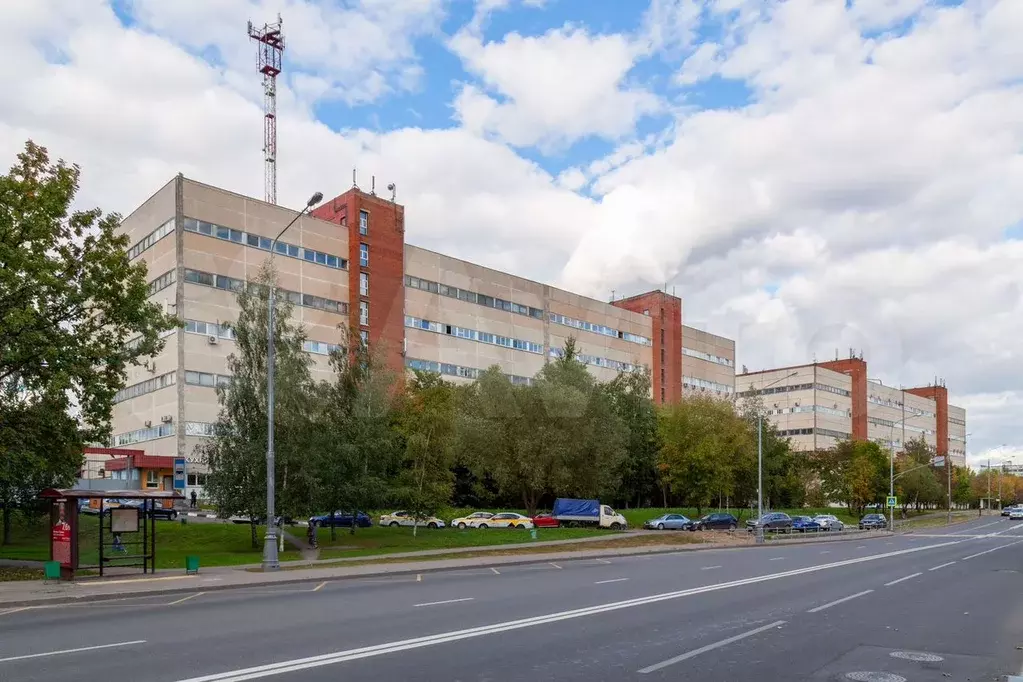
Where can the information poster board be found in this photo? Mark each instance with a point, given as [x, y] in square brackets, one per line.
[61, 536]
[179, 473]
[124, 520]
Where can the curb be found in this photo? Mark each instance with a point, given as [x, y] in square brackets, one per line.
[524, 561]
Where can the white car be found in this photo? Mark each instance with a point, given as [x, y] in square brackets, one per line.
[1016, 514]
[467, 521]
[829, 522]
[503, 520]
[404, 518]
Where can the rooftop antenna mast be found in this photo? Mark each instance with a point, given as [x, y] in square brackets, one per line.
[270, 46]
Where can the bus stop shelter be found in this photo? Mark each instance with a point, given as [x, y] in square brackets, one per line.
[123, 538]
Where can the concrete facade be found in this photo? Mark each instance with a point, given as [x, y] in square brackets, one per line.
[820, 404]
[349, 274]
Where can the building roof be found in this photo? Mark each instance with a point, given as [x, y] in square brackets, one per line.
[73, 493]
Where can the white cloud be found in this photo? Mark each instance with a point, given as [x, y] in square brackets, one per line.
[534, 103]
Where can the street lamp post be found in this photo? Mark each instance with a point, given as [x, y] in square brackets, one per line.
[760, 459]
[270, 556]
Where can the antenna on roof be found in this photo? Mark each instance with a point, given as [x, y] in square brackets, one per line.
[373, 185]
[612, 295]
[394, 191]
[355, 182]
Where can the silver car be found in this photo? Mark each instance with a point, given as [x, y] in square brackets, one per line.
[829, 522]
[669, 522]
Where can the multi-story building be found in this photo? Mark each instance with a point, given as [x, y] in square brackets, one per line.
[347, 266]
[820, 404]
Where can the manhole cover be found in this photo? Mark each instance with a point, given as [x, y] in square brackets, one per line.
[916, 656]
[874, 677]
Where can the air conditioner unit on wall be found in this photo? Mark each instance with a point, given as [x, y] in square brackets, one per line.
[212, 340]
[148, 423]
[167, 419]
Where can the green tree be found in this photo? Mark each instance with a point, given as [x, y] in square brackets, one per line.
[962, 486]
[236, 454]
[358, 445]
[917, 482]
[427, 423]
[629, 395]
[70, 299]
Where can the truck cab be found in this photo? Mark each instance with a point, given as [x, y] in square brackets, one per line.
[609, 518]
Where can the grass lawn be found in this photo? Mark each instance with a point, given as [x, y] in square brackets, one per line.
[377, 540]
[216, 544]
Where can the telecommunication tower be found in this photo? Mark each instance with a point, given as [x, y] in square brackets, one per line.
[270, 41]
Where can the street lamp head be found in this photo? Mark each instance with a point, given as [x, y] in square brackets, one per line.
[314, 199]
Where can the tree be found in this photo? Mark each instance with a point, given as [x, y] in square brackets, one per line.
[236, 454]
[427, 423]
[962, 486]
[41, 446]
[70, 299]
[917, 482]
[358, 445]
[629, 396]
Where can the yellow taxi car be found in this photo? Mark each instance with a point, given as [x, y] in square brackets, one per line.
[466, 521]
[404, 518]
[503, 520]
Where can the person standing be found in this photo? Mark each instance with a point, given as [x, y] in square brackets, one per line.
[194, 501]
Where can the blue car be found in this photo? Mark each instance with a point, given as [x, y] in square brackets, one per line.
[804, 524]
[341, 519]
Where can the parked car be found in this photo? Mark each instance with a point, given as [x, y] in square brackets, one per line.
[545, 521]
[778, 522]
[404, 518]
[829, 522]
[1016, 514]
[466, 521]
[1007, 511]
[669, 522]
[717, 521]
[341, 519]
[873, 521]
[804, 524]
[504, 520]
[261, 521]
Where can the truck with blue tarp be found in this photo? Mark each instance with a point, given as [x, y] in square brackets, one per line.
[580, 513]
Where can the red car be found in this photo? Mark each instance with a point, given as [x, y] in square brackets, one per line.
[545, 521]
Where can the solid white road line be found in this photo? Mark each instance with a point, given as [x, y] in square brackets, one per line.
[602, 561]
[709, 647]
[320, 586]
[838, 601]
[908, 577]
[184, 599]
[555, 565]
[709, 568]
[613, 580]
[298, 664]
[72, 651]
[496, 572]
[941, 566]
[988, 551]
[21, 608]
[446, 601]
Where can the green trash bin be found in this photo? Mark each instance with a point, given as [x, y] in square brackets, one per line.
[532, 533]
[51, 570]
[191, 565]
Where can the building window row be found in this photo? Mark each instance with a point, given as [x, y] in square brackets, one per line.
[794, 387]
[473, 335]
[598, 329]
[472, 297]
[960, 422]
[878, 421]
[703, 384]
[717, 359]
[161, 282]
[811, 408]
[457, 370]
[892, 402]
[200, 429]
[207, 379]
[295, 298]
[141, 435]
[144, 387]
[197, 479]
[833, 389]
[598, 361]
[156, 235]
[229, 234]
[840, 435]
[319, 347]
[132, 344]
[222, 331]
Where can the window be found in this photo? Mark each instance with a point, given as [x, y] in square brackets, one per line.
[363, 255]
[151, 238]
[144, 387]
[262, 243]
[232, 284]
[363, 222]
[456, 370]
[161, 282]
[152, 478]
[363, 313]
[364, 336]
[363, 284]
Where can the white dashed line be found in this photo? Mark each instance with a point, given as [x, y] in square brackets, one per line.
[709, 568]
[613, 580]
[988, 551]
[496, 572]
[839, 601]
[72, 651]
[908, 577]
[709, 647]
[941, 566]
[446, 601]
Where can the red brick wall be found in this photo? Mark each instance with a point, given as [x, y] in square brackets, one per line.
[939, 394]
[386, 269]
[666, 334]
[857, 369]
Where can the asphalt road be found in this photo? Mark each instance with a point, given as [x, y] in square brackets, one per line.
[937, 605]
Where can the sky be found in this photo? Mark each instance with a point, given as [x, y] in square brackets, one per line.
[809, 176]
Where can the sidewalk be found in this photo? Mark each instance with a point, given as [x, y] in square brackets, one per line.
[32, 593]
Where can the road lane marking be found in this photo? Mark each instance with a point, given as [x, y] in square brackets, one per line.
[295, 665]
[555, 566]
[988, 551]
[862, 547]
[496, 572]
[709, 568]
[603, 561]
[838, 601]
[446, 601]
[826, 551]
[10, 611]
[320, 586]
[419, 577]
[613, 580]
[72, 651]
[140, 580]
[941, 566]
[908, 577]
[709, 647]
[776, 558]
[184, 599]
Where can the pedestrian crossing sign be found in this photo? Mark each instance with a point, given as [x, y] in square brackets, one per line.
[892, 502]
